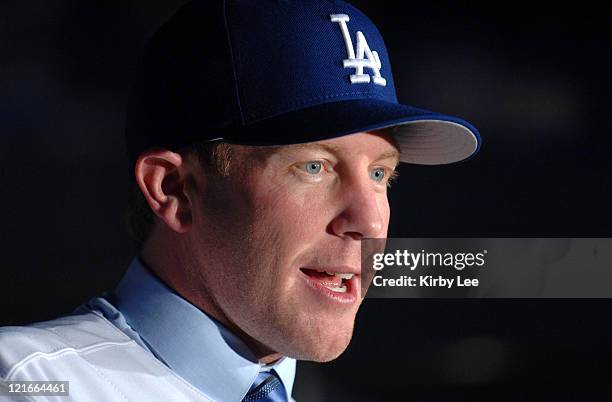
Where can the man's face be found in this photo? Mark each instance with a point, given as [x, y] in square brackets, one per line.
[263, 238]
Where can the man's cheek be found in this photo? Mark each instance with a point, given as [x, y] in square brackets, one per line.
[386, 213]
[295, 204]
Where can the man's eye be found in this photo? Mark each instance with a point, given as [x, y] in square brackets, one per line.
[313, 167]
[377, 174]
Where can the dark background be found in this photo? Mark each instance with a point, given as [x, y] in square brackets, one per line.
[534, 79]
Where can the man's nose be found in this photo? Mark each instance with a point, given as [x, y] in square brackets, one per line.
[364, 214]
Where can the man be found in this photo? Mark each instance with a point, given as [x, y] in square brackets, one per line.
[262, 136]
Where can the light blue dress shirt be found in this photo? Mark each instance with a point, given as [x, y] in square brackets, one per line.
[188, 341]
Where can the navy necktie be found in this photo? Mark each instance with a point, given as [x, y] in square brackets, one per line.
[266, 388]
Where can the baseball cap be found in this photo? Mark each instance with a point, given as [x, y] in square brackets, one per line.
[278, 72]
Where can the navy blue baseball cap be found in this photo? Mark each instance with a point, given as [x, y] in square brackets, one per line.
[278, 72]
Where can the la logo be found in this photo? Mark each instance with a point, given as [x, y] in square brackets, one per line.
[356, 58]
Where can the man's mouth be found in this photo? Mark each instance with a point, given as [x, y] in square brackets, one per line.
[334, 281]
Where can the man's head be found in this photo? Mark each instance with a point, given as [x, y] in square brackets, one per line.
[303, 92]
[251, 246]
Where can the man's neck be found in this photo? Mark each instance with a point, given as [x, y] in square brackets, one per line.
[173, 273]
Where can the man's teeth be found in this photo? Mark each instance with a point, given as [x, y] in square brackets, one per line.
[341, 289]
[340, 275]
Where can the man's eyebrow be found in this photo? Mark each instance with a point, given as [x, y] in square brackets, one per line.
[308, 146]
[315, 146]
[389, 154]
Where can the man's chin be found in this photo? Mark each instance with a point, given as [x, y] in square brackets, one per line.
[327, 357]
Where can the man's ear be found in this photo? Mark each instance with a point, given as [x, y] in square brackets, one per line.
[161, 176]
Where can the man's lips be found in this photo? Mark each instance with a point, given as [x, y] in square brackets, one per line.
[341, 269]
[340, 283]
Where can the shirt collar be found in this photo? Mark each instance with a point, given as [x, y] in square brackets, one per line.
[188, 341]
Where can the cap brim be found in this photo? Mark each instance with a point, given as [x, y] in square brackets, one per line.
[424, 137]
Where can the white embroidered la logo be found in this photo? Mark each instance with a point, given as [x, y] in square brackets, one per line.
[355, 58]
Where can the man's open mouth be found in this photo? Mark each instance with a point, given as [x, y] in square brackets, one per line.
[334, 281]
